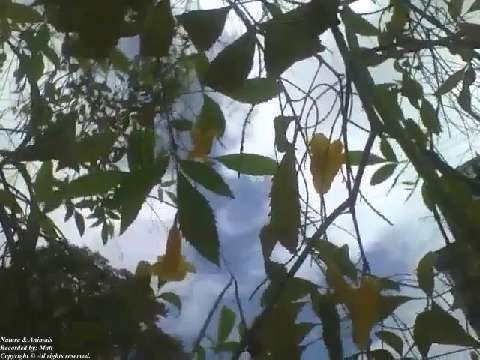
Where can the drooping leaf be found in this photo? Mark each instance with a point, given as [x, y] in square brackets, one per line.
[204, 27]
[387, 150]
[229, 70]
[95, 183]
[140, 149]
[392, 340]
[80, 223]
[326, 161]
[255, 91]
[425, 273]
[249, 164]
[157, 34]
[281, 124]
[355, 157]
[324, 307]
[451, 82]
[205, 175]
[382, 174]
[436, 326]
[225, 324]
[197, 221]
[172, 298]
[357, 23]
[285, 203]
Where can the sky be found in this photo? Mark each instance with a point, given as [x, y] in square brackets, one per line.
[390, 249]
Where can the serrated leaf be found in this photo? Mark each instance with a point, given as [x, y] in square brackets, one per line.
[357, 23]
[392, 340]
[99, 182]
[436, 326]
[197, 221]
[355, 157]
[450, 83]
[285, 204]
[281, 124]
[387, 150]
[205, 175]
[229, 70]
[255, 91]
[249, 164]
[20, 13]
[204, 26]
[80, 223]
[382, 174]
[225, 324]
[172, 298]
[157, 34]
[425, 273]
[324, 307]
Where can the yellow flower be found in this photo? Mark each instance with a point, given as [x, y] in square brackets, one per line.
[172, 266]
[326, 160]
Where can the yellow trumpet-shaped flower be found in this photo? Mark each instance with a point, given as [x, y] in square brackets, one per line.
[172, 266]
[326, 160]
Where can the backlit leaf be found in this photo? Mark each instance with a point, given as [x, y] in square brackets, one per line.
[255, 91]
[425, 273]
[157, 34]
[355, 157]
[382, 174]
[197, 221]
[436, 326]
[249, 164]
[326, 161]
[205, 175]
[204, 27]
[229, 70]
[225, 324]
[95, 183]
[324, 307]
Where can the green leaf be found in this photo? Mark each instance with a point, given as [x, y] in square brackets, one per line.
[200, 353]
[255, 91]
[172, 298]
[357, 23]
[355, 158]
[229, 70]
[439, 327]
[157, 34]
[44, 181]
[80, 222]
[225, 324]
[249, 164]
[8, 200]
[20, 13]
[99, 182]
[294, 289]
[455, 8]
[140, 149]
[89, 149]
[119, 60]
[205, 175]
[197, 221]
[211, 117]
[387, 150]
[451, 82]
[325, 308]
[227, 346]
[204, 26]
[381, 354]
[285, 204]
[429, 117]
[425, 273]
[338, 255]
[411, 89]
[382, 174]
[392, 340]
[181, 125]
[281, 124]
[415, 132]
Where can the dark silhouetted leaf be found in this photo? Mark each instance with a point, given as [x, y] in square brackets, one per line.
[249, 164]
[451, 82]
[281, 124]
[437, 326]
[357, 23]
[211, 117]
[425, 273]
[204, 27]
[325, 308]
[355, 157]
[157, 34]
[455, 8]
[225, 324]
[387, 150]
[381, 354]
[411, 89]
[205, 175]
[8, 200]
[229, 70]
[172, 298]
[197, 221]
[392, 340]
[255, 91]
[80, 222]
[339, 255]
[93, 184]
[20, 13]
[382, 174]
